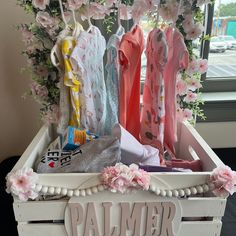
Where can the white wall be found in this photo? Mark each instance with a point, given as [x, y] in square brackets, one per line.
[218, 134]
[19, 120]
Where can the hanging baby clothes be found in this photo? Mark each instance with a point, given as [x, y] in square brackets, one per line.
[112, 80]
[130, 51]
[153, 109]
[57, 61]
[71, 80]
[87, 61]
[178, 59]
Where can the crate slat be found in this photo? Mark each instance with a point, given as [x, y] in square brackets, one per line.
[186, 229]
[35, 211]
[200, 228]
[195, 207]
[40, 210]
[41, 229]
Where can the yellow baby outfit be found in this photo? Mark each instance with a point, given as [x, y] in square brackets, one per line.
[71, 80]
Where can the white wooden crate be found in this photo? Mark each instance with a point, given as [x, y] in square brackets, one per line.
[196, 215]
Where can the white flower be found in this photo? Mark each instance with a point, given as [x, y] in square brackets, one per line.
[194, 32]
[41, 4]
[188, 22]
[44, 19]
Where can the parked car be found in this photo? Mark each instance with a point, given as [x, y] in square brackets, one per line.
[229, 40]
[217, 45]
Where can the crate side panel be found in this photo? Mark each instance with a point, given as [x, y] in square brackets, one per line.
[36, 148]
[190, 137]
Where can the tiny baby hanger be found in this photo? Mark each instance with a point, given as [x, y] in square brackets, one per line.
[118, 17]
[62, 14]
[158, 14]
[90, 24]
[118, 13]
[55, 59]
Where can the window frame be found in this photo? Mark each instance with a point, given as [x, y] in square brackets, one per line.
[213, 84]
[222, 108]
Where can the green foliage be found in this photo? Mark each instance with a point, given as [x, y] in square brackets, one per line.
[227, 9]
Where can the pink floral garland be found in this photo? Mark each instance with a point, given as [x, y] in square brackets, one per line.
[224, 180]
[119, 178]
[122, 178]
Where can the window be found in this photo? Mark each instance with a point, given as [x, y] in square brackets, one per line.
[219, 87]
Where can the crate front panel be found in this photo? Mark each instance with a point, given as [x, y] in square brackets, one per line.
[190, 214]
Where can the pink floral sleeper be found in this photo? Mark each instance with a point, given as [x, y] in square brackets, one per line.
[178, 59]
[87, 60]
[153, 109]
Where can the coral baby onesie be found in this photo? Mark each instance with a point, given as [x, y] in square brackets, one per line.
[178, 59]
[130, 51]
[153, 108]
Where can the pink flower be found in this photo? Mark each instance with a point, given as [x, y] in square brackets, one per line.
[125, 12]
[181, 87]
[179, 113]
[193, 67]
[21, 183]
[193, 84]
[38, 91]
[138, 10]
[52, 115]
[151, 4]
[30, 49]
[27, 36]
[194, 32]
[121, 183]
[41, 4]
[224, 180]
[188, 22]
[142, 179]
[75, 4]
[122, 178]
[110, 3]
[42, 71]
[94, 10]
[44, 19]
[203, 66]
[187, 114]
[169, 11]
[190, 97]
